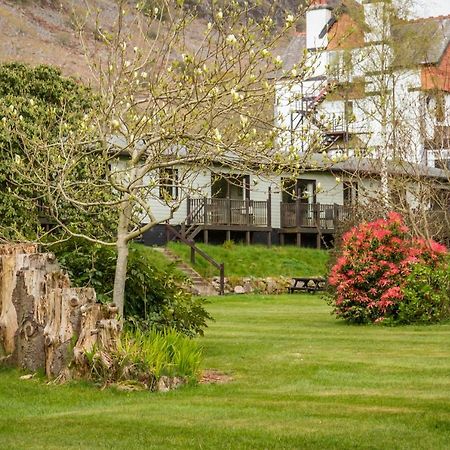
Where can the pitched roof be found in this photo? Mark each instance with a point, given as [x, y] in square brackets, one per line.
[293, 54]
[425, 40]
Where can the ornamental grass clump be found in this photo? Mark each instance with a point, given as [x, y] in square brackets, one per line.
[146, 357]
[371, 280]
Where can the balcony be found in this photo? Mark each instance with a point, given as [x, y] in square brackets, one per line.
[312, 215]
[225, 212]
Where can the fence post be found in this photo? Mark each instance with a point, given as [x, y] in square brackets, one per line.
[222, 279]
[192, 254]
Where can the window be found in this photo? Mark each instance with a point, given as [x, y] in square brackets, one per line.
[350, 193]
[440, 107]
[168, 184]
[230, 186]
[304, 190]
[439, 159]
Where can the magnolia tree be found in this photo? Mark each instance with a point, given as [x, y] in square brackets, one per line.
[165, 102]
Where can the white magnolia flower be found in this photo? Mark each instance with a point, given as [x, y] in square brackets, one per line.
[219, 14]
[217, 135]
[231, 39]
[289, 19]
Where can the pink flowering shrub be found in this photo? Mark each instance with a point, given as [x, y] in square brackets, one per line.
[369, 278]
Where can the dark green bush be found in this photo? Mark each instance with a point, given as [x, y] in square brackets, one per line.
[156, 294]
[426, 295]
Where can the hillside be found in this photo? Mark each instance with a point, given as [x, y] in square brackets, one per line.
[45, 31]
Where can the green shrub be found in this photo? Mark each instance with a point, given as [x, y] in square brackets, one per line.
[145, 357]
[426, 295]
[156, 294]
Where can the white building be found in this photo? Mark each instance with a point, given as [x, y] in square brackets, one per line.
[376, 94]
[378, 86]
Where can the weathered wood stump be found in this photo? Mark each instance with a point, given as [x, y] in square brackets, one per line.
[44, 322]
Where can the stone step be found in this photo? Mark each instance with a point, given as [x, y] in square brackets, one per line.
[200, 286]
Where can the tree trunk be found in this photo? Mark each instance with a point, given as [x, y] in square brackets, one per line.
[120, 276]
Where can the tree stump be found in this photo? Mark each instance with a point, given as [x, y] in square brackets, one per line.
[44, 322]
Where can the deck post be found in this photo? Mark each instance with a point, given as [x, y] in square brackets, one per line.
[205, 236]
[228, 211]
[299, 239]
[247, 212]
[269, 208]
[281, 238]
[297, 212]
[318, 239]
[228, 238]
[188, 209]
[205, 211]
[335, 215]
[247, 237]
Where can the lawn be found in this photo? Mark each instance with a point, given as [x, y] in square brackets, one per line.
[258, 260]
[301, 380]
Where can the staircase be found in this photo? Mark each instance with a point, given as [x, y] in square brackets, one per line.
[200, 286]
[308, 109]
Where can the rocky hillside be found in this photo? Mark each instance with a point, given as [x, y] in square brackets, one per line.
[44, 31]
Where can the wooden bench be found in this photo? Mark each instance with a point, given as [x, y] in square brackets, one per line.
[307, 284]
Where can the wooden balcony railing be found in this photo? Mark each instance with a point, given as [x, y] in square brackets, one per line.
[225, 211]
[316, 215]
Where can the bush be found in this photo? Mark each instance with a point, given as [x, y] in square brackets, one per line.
[145, 357]
[426, 295]
[370, 277]
[156, 294]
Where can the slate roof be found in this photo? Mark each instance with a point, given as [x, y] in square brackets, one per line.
[425, 40]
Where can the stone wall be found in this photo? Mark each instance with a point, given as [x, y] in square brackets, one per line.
[251, 285]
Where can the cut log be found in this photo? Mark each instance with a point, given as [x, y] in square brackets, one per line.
[44, 323]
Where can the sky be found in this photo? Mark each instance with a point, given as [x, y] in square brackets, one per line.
[427, 8]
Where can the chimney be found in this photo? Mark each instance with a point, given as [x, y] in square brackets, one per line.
[317, 18]
[377, 17]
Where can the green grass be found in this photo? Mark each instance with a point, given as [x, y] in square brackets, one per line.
[258, 260]
[301, 380]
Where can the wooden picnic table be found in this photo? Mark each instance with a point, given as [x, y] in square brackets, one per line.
[307, 284]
